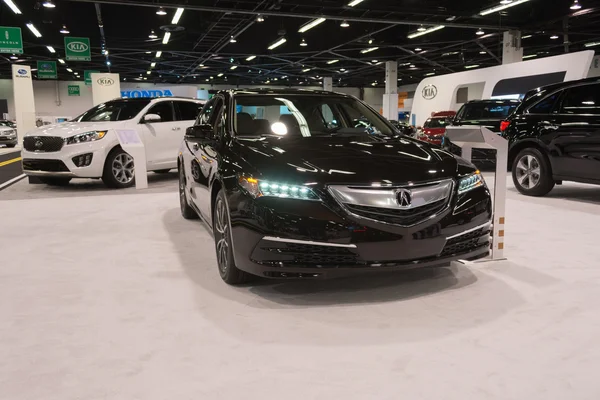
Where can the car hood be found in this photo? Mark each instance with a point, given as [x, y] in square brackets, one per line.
[328, 160]
[68, 129]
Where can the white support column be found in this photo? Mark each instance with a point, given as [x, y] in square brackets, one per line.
[390, 98]
[328, 84]
[24, 103]
[511, 48]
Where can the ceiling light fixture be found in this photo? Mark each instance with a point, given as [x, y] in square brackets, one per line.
[483, 52]
[354, 3]
[166, 37]
[344, 24]
[502, 7]
[51, 49]
[233, 67]
[153, 65]
[374, 61]
[108, 63]
[418, 49]
[148, 72]
[64, 30]
[48, 4]
[576, 5]
[69, 70]
[425, 32]
[161, 11]
[554, 37]
[303, 43]
[421, 29]
[306, 70]
[34, 30]
[250, 58]
[526, 36]
[365, 51]
[471, 66]
[60, 60]
[332, 61]
[529, 56]
[429, 74]
[480, 32]
[177, 16]
[220, 75]
[158, 54]
[152, 35]
[13, 6]
[14, 57]
[311, 24]
[260, 18]
[591, 44]
[506, 1]
[232, 40]
[277, 43]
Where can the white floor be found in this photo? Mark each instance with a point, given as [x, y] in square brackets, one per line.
[112, 295]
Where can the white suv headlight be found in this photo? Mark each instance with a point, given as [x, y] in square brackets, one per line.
[262, 188]
[86, 137]
[470, 182]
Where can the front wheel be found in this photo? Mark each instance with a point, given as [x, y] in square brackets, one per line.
[119, 171]
[531, 173]
[10, 146]
[223, 243]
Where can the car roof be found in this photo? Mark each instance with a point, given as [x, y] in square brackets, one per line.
[492, 101]
[282, 91]
[569, 83]
[149, 99]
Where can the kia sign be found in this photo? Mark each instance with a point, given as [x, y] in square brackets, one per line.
[77, 49]
[429, 92]
[134, 94]
[105, 82]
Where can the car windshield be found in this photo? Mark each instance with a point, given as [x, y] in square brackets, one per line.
[436, 123]
[7, 123]
[494, 111]
[306, 115]
[115, 110]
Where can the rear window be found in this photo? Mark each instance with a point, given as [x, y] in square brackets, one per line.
[479, 111]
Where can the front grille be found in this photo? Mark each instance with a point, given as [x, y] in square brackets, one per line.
[397, 216]
[466, 243]
[46, 144]
[305, 254]
[44, 165]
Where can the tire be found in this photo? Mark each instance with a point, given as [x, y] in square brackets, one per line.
[532, 174]
[187, 212]
[55, 181]
[223, 243]
[162, 171]
[119, 171]
[10, 146]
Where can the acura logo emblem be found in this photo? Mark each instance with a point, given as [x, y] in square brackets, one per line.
[404, 197]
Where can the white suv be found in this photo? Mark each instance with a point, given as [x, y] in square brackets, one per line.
[87, 147]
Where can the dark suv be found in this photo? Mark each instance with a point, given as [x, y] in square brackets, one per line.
[554, 135]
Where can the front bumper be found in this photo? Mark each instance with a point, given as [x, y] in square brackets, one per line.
[286, 238]
[8, 140]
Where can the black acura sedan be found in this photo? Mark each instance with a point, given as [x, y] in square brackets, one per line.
[311, 184]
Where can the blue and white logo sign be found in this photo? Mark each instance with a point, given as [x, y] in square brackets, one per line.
[136, 94]
[22, 71]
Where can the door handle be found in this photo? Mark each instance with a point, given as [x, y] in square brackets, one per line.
[176, 128]
[548, 125]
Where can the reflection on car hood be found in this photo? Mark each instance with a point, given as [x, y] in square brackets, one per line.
[68, 129]
[345, 160]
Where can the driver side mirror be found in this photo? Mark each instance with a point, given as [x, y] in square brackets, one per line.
[152, 118]
[204, 131]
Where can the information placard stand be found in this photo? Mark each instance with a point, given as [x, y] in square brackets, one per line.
[132, 144]
[476, 137]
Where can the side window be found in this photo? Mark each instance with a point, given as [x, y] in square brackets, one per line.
[204, 116]
[164, 109]
[216, 111]
[187, 110]
[328, 117]
[545, 106]
[582, 100]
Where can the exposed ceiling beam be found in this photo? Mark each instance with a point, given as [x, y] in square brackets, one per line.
[272, 13]
[495, 57]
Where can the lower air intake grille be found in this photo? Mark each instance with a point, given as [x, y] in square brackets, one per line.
[466, 243]
[397, 216]
[305, 254]
[45, 165]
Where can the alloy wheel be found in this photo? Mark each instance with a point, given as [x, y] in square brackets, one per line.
[528, 171]
[222, 236]
[122, 168]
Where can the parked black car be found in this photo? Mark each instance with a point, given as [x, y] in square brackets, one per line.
[486, 113]
[404, 128]
[554, 136]
[294, 185]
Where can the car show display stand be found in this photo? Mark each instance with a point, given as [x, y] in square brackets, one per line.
[475, 137]
[130, 142]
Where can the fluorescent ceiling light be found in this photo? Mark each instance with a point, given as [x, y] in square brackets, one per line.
[471, 66]
[233, 67]
[591, 44]
[69, 69]
[429, 74]
[332, 62]
[51, 49]
[250, 58]
[34, 30]
[60, 60]
[311, 24]
[221, 74]
[177, 16]
[365, 51]
[148, 72]
[526, 36]
[48, 4]
[64, 30]
[161, 11]
[158, 54]
[532, 55]
[12, 6]
[502, 7]
[166, 37]
[278, 43]
[354, 2]
[153, 65]
[306, 70]
[425, 32]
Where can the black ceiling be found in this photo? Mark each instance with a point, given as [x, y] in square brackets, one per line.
[202, 48]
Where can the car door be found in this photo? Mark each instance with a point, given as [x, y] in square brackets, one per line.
[205, 162]
[574, 129]
[186, 113]
[161, 148]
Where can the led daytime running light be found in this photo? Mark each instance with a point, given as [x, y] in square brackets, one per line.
[470, 182]
[261, 188]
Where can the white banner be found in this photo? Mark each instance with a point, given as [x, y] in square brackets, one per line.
[24, 103]
[105, 87]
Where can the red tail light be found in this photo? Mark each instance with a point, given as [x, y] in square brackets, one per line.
[504, 125]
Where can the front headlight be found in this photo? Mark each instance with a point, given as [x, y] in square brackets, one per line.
[470, 182]
[86, 137]
[263, 188]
